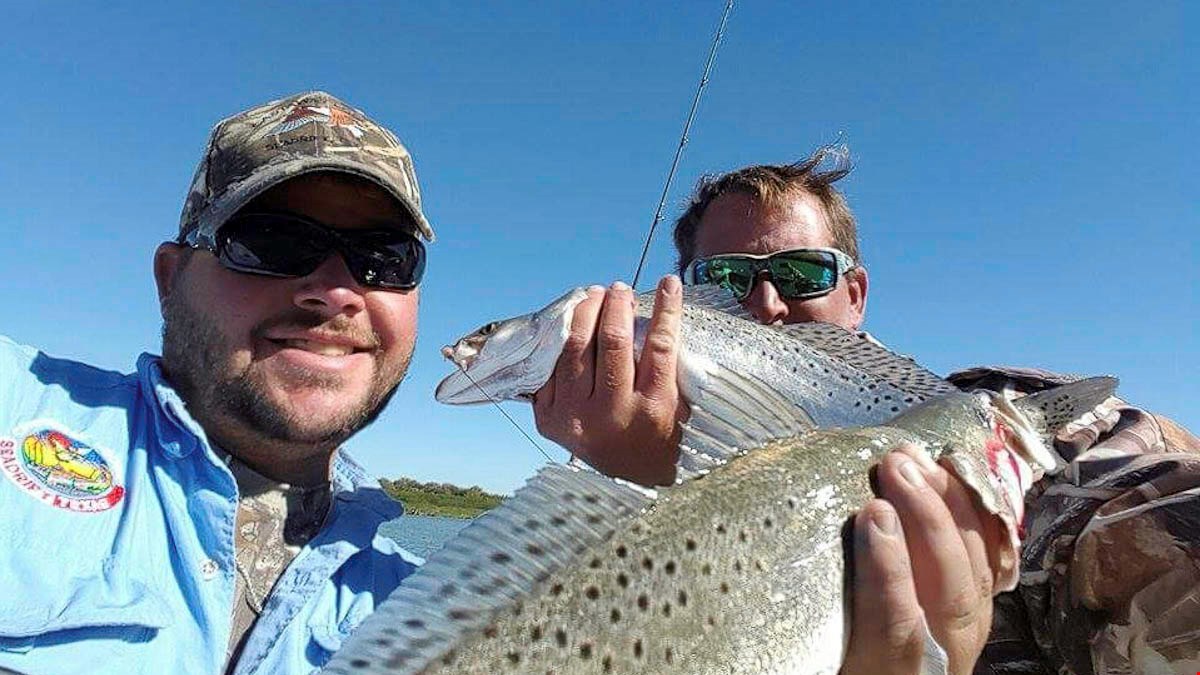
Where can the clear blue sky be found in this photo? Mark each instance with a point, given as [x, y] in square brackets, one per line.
[1025, 183]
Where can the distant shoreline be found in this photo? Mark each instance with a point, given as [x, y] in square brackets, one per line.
[440, 499]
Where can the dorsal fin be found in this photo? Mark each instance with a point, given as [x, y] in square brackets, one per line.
[502, 556]
[869, 356]
[855, 349]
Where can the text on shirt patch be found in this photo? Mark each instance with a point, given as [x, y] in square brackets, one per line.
[60, 471]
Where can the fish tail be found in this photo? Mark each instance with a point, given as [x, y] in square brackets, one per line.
[1052, 409]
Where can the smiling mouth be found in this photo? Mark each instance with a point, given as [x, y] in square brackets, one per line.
[319, 348]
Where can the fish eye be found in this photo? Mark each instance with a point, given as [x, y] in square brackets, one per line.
[490, 328]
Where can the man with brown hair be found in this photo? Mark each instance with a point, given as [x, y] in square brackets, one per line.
[783, 240]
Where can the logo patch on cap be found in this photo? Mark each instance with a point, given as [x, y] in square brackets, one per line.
[60, 470]
[302, 115]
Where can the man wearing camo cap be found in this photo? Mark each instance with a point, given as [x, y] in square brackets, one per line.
[198, 516]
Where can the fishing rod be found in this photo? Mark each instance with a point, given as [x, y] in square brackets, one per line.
[683, 139]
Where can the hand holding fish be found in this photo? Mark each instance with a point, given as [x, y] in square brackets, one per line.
[923, 555]
[739, 566]
[599, 408]
[616, 411]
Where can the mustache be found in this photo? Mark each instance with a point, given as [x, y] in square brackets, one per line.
[299, 319]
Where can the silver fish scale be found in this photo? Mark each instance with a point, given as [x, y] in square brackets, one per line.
[832, 391]
[726, 574]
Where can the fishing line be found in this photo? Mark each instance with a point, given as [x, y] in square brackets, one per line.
[683, 139]
[506, 415]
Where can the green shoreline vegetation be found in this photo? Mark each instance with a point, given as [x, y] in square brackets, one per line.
[440, 499]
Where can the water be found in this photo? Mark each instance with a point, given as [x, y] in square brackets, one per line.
[422, 535]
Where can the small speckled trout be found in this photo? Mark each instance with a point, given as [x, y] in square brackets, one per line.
[739, 568]
[744, 381]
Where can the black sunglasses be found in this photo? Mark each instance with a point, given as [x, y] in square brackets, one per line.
[287, 245]
[798, 274]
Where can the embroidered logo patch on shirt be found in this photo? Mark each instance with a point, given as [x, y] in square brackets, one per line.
[60, 470]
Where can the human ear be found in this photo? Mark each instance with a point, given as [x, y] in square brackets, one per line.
[169, 260]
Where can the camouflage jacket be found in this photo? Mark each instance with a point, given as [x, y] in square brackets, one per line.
[1110, 568]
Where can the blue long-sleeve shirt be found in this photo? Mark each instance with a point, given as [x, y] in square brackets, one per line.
[117, 535]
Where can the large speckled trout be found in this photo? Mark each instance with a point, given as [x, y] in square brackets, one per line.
[739, 568]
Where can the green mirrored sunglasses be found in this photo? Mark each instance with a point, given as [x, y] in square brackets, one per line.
[798, 274]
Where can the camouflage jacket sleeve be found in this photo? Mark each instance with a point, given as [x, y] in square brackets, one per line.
[1110, 569]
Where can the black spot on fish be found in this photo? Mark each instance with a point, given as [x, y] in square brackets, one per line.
[724, 587]
[615, 615]
[591, 499]
[532, 524]
[360, 663]
[621, 550]
[569, 497]
[623, 580]
[637, 649]
[414, 623]
[534, 550]
[643, 602]
[556, 589]
[669, 568]
[594, 563]
[712, 620]
[737, 566]
[490, 632]
[560, 636]
[592, 593]
[514, 658]
[666, 609]
[558, 521]
[382, 642]
[682, 598]
[535, 633]
[767, 523]
[706, 569]
[448, 658]
[607, 664]
[791, 502]
[721, 529]
[447, 591]
[594, 519]
[691, 544]
[459, 614]
[467, 573]
[647, 564]
[585, 651]
[669, 655]
[742, 536]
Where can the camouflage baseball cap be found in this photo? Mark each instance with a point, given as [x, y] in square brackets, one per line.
[266, 145]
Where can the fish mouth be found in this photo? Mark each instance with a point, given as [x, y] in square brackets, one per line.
[465, 386]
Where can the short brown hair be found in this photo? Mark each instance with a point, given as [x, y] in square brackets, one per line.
[770, 185]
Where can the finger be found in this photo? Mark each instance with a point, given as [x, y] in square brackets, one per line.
[942, 571]
[972, 523]
[886, 625]
[657, 365]
[576, 366]
[614, 345]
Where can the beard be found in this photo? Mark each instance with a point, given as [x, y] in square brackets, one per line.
[199, 361]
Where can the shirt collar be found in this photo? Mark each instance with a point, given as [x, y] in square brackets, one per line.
[348, 478]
